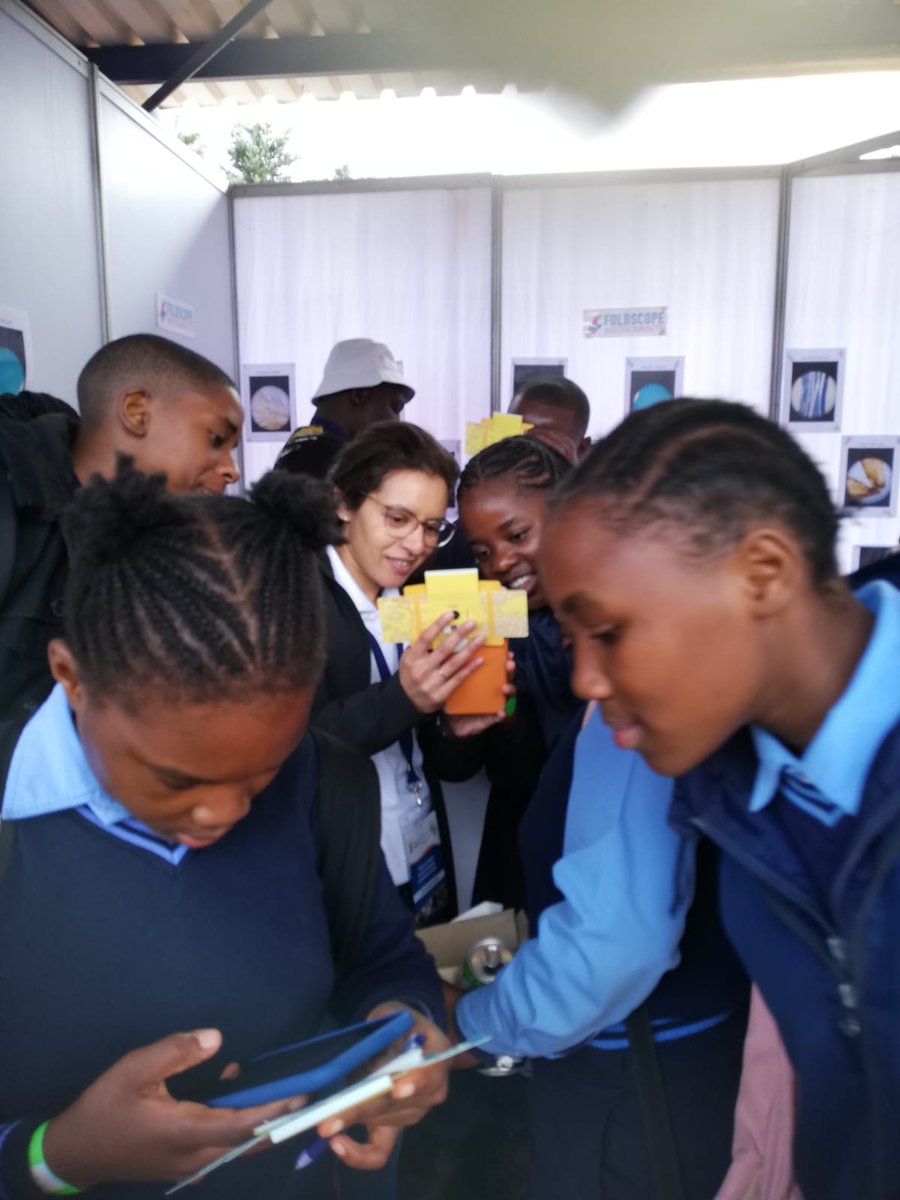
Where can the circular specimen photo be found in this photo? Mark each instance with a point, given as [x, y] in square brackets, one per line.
[813, 396]
[270, 409]
[869, 481]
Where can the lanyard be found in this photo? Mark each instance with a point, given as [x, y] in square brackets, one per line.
[405, 739]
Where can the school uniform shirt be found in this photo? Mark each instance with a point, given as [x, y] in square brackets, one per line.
[400, 801]
[112, 938]
[810, 880]
[600, 951]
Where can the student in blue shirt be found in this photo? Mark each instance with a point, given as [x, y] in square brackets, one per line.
[690, 557]
[164, 865]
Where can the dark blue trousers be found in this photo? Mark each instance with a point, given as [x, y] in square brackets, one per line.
[588, 1135]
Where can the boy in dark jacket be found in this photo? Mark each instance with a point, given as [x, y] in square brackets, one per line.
[167, 407]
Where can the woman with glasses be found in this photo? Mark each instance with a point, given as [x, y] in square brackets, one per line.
[393, 484]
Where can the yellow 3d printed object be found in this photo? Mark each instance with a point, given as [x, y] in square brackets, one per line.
[499, 613]
[495, 428]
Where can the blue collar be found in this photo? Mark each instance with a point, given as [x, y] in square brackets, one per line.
[838, 759]
[49, 773]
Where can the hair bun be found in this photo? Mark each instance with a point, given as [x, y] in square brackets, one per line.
[304, 504]
[106, 518]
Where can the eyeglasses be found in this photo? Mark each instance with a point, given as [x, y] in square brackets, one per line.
[400, 523]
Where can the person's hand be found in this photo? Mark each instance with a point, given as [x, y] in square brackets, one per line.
[126, 1127]
[465, 725]
[429, 676]
[408, 1101]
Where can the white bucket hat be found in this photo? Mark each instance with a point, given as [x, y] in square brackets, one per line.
[360, 363]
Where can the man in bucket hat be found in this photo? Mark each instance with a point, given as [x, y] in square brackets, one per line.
[363, 383]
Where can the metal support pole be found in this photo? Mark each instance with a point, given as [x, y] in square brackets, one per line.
[496, 290]
[99, 203]
[235, 327]
[781, 279]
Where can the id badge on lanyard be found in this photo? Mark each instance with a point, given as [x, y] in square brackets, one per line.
[421, 835]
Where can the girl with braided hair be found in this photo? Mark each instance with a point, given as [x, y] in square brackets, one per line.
[691, 558]
[503, 496]
[164, 864]
[616, 962]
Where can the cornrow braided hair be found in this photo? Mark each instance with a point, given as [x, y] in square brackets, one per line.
[708, 469]
[532, 463]
[202, 597]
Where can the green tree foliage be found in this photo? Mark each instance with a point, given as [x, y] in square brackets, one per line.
[194, 140]
[342, 172]
[258, 154]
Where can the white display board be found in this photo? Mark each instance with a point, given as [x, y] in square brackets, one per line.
[411, 268]
[48, 243]
[701, 253]
[168, 236]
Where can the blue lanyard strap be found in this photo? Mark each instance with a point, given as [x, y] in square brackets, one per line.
[405, 739]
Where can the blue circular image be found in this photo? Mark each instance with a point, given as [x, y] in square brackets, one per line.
[12, 373]
[650, 394]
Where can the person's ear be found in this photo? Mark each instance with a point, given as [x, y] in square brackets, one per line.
[359, 397]
[134, 412]
[343, 511]
[64, 670]
[583, 446]
[772, 568]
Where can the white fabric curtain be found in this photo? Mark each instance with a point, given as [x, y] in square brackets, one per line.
[409, 268]
[706, 250]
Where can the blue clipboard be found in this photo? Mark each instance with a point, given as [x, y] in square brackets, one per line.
[308, 1066]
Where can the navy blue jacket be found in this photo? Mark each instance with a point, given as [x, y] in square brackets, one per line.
[830, 974]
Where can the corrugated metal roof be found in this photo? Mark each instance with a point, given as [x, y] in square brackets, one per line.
[89, 24]
[605, 50]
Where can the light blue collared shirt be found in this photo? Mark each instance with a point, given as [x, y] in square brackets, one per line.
[602, 950]
[49, 773]
[838, 759]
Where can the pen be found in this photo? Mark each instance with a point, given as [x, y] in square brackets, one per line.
[310, 1152]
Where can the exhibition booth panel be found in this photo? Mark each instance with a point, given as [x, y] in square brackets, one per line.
[839, 389]
[406, 265]
[110, 226]
[168, 237]
[641, 289]
[49, 279]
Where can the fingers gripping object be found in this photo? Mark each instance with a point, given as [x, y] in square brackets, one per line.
[499, 613]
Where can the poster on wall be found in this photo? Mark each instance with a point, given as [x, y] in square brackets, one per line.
[268, 395]
[650, 380]
[15, 349]
[865, 556]
[868, 485]
[175, 316]
[526, 369]
[624, 322]
[813, 392]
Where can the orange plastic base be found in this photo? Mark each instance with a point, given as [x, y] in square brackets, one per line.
[482, 692]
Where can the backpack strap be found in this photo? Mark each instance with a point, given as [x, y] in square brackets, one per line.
[348, 833]
[654, 1109]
